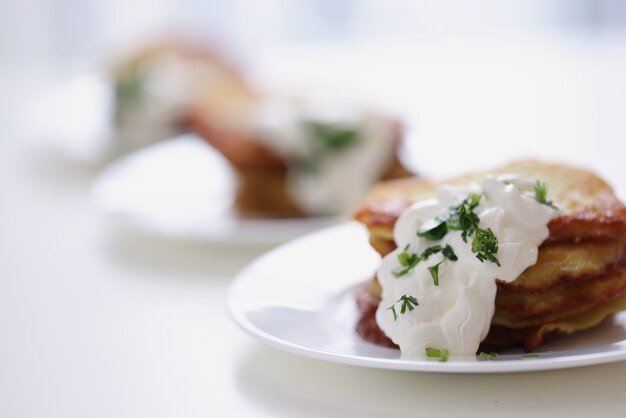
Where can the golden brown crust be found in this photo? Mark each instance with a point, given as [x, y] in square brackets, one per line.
[578, 278]
[522, 310]
[589, 210]
[367, 327]
[499, 337]
[243, 151]
[566, 264]
[264, 193]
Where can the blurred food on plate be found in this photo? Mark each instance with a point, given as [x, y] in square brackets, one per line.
[302, 155]
[138, 98]
[155, 86]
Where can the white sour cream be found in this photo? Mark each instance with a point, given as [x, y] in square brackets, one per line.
[342, 177]
[456, 315]
[168, 85]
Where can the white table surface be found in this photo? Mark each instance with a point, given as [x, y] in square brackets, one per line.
[96, 322]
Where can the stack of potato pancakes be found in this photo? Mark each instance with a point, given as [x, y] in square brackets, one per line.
[579, 277]
[262, 174]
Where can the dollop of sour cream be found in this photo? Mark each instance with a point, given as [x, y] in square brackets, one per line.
[456, 314]
[339, 178]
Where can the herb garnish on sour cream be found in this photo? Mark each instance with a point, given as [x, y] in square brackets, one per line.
[456, 292]
[439, 354]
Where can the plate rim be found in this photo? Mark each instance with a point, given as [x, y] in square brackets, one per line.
[242, 231]
[551, 360]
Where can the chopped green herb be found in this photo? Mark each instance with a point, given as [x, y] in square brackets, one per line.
[129, 90]
[404, 258]
[331, 137]
[463, 217]
[324, 139]
[541, 193]
[530, 355]
[460, 218]
[437, 354]
[408, 302]
[434, 229]
[487, 356]
[408, 261]
[485, 245]
[434, 272]
[448, 252]
[430, 251]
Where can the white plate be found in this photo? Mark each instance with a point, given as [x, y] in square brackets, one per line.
[182, 188]
[299, 298]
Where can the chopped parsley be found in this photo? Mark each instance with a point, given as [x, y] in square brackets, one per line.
[439, 354]
[541, 193]
[434, 272]
[430, 251]
[485, 245]
[463, 217]
[434, 229]
[448, 253]
[407, 260]
[410, 260]
[459, 218]
[487, 356]
[331, 137]
[324, 138]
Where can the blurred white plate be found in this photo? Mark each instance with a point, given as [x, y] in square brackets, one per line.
[182, 188]
[299, 297]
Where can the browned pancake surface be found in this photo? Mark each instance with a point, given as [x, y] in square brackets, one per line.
[589, 210]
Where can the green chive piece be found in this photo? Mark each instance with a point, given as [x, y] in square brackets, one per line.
[393, 310]
[434, 272]
[439, 354]
[541, 194]
[408, 302]
[487, 356]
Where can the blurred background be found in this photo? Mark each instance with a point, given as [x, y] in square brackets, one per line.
[94, 323]
[521, 77]
[69, 35]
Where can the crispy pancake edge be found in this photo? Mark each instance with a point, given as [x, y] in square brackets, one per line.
[589, 208]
